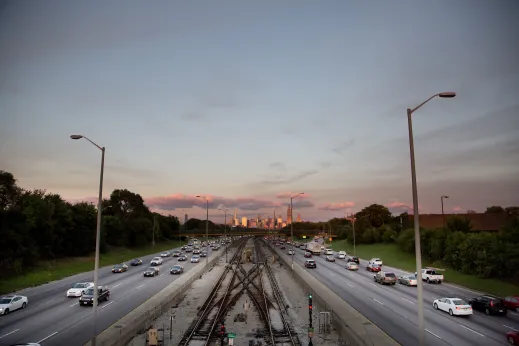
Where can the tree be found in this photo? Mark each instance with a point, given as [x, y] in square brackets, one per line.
[495, 210]
[376, 215]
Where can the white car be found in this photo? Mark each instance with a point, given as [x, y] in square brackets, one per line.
[376, 261]
[341, 255]
[156, 261]
[79, 288]
[10, 303]
[195, 259]
[454, 306]
[165, 254]
[291, 252]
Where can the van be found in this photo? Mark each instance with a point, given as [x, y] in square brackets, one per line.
[329, 252]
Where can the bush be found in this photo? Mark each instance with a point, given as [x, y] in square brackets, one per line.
[389, 236]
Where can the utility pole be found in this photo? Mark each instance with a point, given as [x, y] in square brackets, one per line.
[310, 325]
[443, 214]
[153, 232]
[352, 220]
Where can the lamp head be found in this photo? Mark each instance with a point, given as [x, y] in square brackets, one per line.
[76, 136]
[447, 94]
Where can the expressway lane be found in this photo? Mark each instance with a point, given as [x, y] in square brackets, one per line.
[393, 308]
[53, 319]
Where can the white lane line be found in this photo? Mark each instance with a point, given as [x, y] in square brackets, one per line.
[74, 304]
[407, 300]
[428, 331]
[104, 306]
[349, 285]
[47, 337]
[138, 287]
[116, 285]
[371, 283]
[512, 313]
[378, 301]
[504, 325]
[14, 331]
[472, 330]
[48, 301]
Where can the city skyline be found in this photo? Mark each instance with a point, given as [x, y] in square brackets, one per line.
[216, 103]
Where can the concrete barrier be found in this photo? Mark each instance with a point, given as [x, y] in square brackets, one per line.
[139, 319]
[353, 327]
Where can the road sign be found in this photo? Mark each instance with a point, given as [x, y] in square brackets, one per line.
[231, 335]
[231, 341]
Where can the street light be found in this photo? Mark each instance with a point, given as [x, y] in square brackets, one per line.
[225, 230]
[421, 320]
[206, 231]
[352, 219]
[443, 214]
[292, 227]
[98, 235]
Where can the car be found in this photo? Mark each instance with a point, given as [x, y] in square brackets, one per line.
[176, 269]
[408, 280]
[176, 253]
[512, 303]
[310, 264]
[352, 266]
[165, 254]
[151, 271]
[373, 267]
[328, 252]
[156, 261]
[291, 252]
[195, 259]
[203, 254]
[454, 306]
[182, 258]
[79, 288]
[136, 262]
[11, 303]
[330, 258]
[385, 278]
[196, 252]
[308, 254]
[341, 255]
[189, 249]
[354, 259]
[376, 260]
[183, 247]
[119, 268]
[513, 338]
[490, 305]
[88, 297]
[283, 247]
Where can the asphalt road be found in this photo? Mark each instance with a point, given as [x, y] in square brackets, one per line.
[394, 308]
[52, 319]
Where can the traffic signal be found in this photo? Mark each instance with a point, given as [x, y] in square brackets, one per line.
[310, 305]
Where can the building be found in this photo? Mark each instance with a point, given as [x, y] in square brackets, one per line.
[244, 221]
[298, 219]
[289, 215]
[279, 223]
[479, 221]
[186, 218]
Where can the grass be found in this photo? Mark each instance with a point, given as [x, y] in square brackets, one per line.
[48, 271]
[394, 257]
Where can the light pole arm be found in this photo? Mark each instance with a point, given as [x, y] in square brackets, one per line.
[421, 104]
[98, 147]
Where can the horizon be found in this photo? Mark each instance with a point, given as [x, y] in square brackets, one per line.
[251, 103]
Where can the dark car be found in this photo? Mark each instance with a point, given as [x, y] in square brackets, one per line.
[119, 268]
[283, 247]
[203, 254]
[512, 303]
[151, 271]
[310, 264]
[136, 262]
[88, 297]
[184, 247]
[176, 253]
[330, 259]
[308, 254]
[490, 305]
[353, 259]
[176, 269]
[513, 338]
[182, 258]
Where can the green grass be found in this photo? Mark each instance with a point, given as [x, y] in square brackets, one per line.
[47, 271]
[394, 257]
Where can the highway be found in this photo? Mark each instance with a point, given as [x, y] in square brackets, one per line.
[394, 308]
[52, 319]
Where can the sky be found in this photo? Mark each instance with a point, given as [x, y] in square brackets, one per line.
[248, 102]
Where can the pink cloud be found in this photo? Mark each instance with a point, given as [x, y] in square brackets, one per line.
[290, 194]
[399, 206]
[457, 208]
[337, 206]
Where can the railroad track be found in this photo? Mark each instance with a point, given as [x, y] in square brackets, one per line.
[260, 286]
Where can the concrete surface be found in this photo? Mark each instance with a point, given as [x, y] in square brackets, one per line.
[394, 309]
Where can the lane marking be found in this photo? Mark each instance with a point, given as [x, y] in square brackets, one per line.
[74, 304]
[378, 301]
[371, 283]
[428, 331]
[472, 330]
[104, 306]
[512, 313]
[47, 337]
[14, 331]
[504, 325]
[407, 300]
[349, 285]
[138, 287]
[48, 301]
[117, 285]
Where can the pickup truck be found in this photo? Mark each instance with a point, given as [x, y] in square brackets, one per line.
[430, 275]
[88, 297]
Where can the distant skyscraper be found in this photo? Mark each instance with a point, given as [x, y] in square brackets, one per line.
[244, 221]
[186, 218]
[298, 218]
[279, 223]
[289, 215]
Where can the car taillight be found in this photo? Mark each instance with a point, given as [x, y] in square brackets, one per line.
[457, 308]
[491, 303]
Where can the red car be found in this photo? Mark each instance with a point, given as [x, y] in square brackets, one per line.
[512, 303]
[308, 254]
[374, 267]
[513, 338]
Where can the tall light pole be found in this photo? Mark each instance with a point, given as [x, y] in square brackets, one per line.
[98, 236]
[225, 230]
[443, 214]
[180, 225]
[206, 231]
[292, 227]
[421, 320]
[352, 220]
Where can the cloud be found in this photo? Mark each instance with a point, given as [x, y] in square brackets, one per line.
[179, 201]
[341, 148]
[301, 204]
[337, 206]
[297, 177]
[326, 164]
[290, 194]
[193, 116]
[278, 165]
[457, 208]
[400, 207]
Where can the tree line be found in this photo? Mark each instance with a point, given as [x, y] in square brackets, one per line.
[457, 246]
